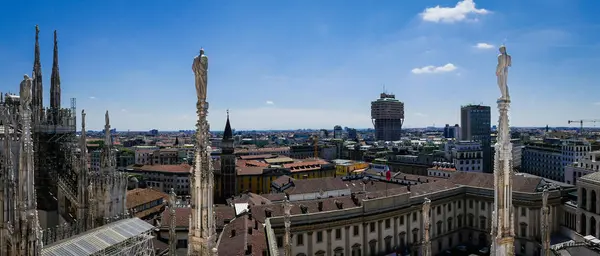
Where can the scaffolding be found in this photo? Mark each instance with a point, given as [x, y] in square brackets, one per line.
[125, 237]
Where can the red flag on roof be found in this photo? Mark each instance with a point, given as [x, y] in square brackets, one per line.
[388, 173]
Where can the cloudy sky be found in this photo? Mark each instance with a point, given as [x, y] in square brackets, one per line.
[308, 64]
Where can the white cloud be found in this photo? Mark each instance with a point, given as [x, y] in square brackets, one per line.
[484, 46]
[433, 69]
[92, 98]
[270, 102]
[452, 14]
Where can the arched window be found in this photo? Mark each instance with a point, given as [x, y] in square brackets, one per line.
[373, 247]
[471, 217]
[583, 198]
[449, 224]
[356, 250]
[415, 236]
[583, 225]
[388, 244]
[339, 251]
[320, 253]
[523, 229]
[593, 202]
[593, 226]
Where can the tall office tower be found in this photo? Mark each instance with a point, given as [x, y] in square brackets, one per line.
[475, 123]
[387, 114]
[337, 132]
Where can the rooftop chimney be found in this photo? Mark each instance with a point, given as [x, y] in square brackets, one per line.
[408, 187]
[249, 215]
[249, 250]
[339, 204]
[255, 224]
[320, 206]
[268, 213]
[250, 231]
[232, 233]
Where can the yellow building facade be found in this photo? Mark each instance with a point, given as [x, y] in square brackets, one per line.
[347, 167]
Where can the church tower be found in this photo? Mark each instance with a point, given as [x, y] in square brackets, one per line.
[228, 163]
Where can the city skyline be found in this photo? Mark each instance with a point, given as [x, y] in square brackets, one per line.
[293, 65]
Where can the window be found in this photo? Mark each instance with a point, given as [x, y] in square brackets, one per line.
[523, 211]
[471, 220]
[482, 222]
[458, 205]
[470, 204]
[450, 207]
[439, 210]
[387, 223]
[355, 230]
[299, 239]
[459, 221]
[414, 216]
[372, 227]
[373, 247]
[388, 244]
[279, 241]
[338, 234]
[482, 205]
[402, 220]
[523, 230]
[439, 228]
[319, 236]
[415, 238]
[449, 224]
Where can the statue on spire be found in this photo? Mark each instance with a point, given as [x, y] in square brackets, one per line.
[200, 68]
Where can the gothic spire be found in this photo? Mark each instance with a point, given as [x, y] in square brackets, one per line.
[36, 88]
[55, 79]
[227, 134]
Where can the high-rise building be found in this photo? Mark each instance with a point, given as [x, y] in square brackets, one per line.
[475, 123]
[337, 132]
[387, 114]
[452, 132]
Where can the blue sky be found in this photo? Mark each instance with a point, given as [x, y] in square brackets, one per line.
[308, 64]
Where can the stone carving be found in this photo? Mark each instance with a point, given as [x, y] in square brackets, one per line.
[106, 118]
[25, 91]
[504, 62]
[200, 68]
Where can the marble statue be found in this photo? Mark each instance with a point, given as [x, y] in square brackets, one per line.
[504, 62]
[25, 91]
[106, 118]
[200, 68]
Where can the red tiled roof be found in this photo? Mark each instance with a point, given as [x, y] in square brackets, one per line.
[255, 157]
[256, 163]
[248, 170]
[486, 180]
[315, 185]
[173, 168]
[232, 244]
[140, 196]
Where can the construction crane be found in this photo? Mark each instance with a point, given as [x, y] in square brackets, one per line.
[316, 144]
[583, 121]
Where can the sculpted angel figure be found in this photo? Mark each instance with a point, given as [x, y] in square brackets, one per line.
[200, 68]
[25, 88]
[504, 62]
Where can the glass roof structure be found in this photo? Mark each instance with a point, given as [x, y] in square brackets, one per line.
[98, 239]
